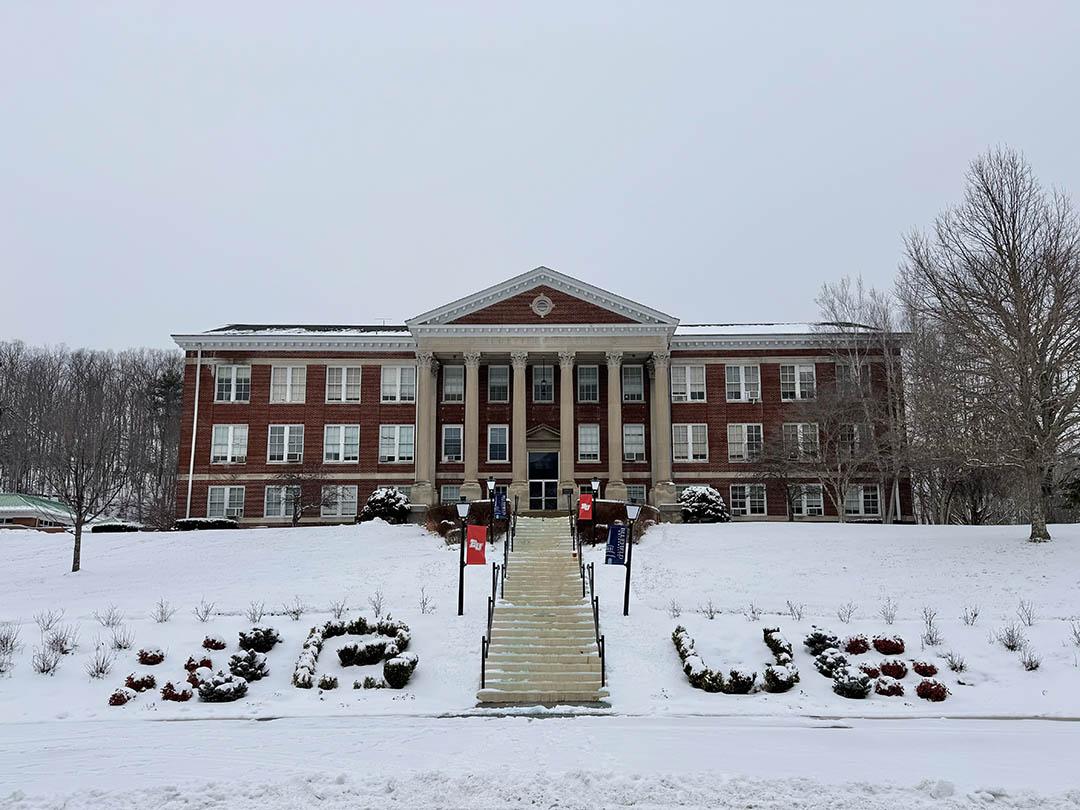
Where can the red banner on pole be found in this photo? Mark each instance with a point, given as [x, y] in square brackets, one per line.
[585, 507]
[476, 548]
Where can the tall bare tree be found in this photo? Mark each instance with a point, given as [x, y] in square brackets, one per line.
[1000, 274]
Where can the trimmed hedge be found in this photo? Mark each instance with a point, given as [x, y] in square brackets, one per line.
[398, 670]
[783, 675]
[397, 638]
[115, 526]
[195, 524]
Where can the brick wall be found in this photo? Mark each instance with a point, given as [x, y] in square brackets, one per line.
[518, 310]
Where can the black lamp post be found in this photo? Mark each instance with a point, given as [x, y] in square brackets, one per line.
[595, 487]
[463, 512]
[491, 515]
[632, 512]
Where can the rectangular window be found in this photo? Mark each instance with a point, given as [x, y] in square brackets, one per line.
[848, 439]
[288, 383]
[588, 383]
[285, 444]
[233, 384]
[633, 442]
[229, 444]
[690, 442]
[343, 383]
[341, 443]
[797, 382]
[281, 502]
[635, 493]
[543, 380]
[800, 439]
[744, 442]
[498, 443]
[633, 383]
[450, 493]
[338, 501]
[588, 437]
[399, 384]
[395, 443]
[688, 383]
[498, 383]
[808, 500]
[852, 376]
[225, 502]
[743, 383]
[748, 499]
[862, 499]
[453, 384]
[451, 442]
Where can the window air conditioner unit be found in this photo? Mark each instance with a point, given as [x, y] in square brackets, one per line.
[754, 400]
[293, 456]
[234, 513]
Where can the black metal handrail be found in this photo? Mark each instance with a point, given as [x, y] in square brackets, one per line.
[485, 641]
[594, 601]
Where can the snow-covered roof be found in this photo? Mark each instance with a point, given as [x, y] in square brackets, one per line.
[780, 328]
[15, 504]
[308, 329]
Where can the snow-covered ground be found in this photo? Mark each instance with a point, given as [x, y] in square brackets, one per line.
[663, 744]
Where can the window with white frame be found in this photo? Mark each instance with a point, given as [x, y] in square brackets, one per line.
[748, 499]
[847, 439]
[225, 502]
[808, 500]
[744, 441]
[451, 442]
[341, 443]
[498, 443]
[288, 383]
[633, 442]
[285, 444]
[450, 493]
[543, 383]
[338, 501]
[743, 383]
[588, 383]
[633, 383]
[232, 384]
[851, 376]
[688, 383]
[797, 382]
[229, 444]
[395, 443]
[635, 493]
[399, 383]
[588, 437]
[281, 501]
[800, 439]
[862, 499]
[343, 383]
[453, 384]
[498, 383]
[690, 442]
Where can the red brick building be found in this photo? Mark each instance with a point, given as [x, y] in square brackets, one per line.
[542, 382]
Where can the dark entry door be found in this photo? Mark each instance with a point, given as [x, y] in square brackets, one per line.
[543, 480]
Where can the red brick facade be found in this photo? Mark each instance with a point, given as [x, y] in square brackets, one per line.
[518, 310]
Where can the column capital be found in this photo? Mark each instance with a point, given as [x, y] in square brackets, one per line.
[519, 359]
[567, 358]
[425, 359]
[614, 359]
[659, 360]
[472, 359]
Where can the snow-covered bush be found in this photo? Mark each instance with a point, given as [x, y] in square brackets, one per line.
[849, 682]
[398, 670]
[369, 683]
[191, 524]
[830, 661]
[251, 666]
[194, 663]
[703, 504]
[304, 671]
[121, 696]
[180, 694]
[820, 640]
[141, 682]
[739, 682]
[934, 691]
[214, 643]
[222, 688]
[856, 645]
[871, 671]
[397, 638]
[890, 687]
[259, 639]
[889, 645]
[924, 668]
[699, 675]
[199, 675]
[151, 656]
[780, 678]
[385, 503]
[779, 646]
[894, 668]
[363, 653]
[108, 526]
[327, 682]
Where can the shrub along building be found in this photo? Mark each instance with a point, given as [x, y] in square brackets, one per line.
[542, 383]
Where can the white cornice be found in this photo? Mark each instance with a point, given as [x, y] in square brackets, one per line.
[543, 276]
[540, 330]
[792, 341]
[209, 341]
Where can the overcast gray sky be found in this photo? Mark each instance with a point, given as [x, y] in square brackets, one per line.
[173, 167]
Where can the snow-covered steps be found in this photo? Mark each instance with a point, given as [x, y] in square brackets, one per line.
[543, 638]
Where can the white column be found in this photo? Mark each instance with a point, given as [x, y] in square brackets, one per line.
[663, 490]
[424, 486]
[470, 489]
[519, 479]
[566, 423]
[616, 488]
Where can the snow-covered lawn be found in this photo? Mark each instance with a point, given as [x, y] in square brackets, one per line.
[416, 744]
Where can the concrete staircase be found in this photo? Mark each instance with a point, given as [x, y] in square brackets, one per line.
[543, 641]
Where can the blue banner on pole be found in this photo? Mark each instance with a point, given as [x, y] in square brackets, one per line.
[500, 505]
[616, 546]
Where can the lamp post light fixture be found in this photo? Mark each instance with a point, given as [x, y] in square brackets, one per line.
[595, 487]
[491, 511]
[463, 513]
[633, 509]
